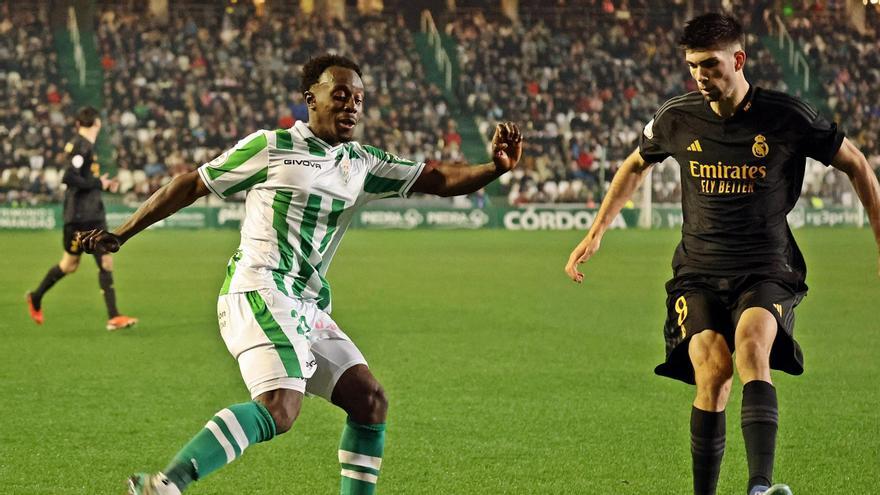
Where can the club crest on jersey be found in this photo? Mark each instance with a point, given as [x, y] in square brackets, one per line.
[760, 148]
[345, 168]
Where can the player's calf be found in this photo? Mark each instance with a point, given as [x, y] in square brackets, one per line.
[284, 406]
[363, 437]
[223, 439]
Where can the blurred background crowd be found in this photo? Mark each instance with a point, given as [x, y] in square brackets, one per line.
[581, 78]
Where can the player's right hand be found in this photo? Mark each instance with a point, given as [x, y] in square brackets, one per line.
[98, 241]
[584, 251]
[106, 181]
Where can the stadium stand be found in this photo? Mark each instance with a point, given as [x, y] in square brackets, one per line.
[581, 77]
[34, 107]
[177, 100]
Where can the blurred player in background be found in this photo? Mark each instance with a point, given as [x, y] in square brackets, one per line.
[303, 186]
[83, 210]
[737, 272]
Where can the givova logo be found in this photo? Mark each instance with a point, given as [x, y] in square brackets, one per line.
[302, 163]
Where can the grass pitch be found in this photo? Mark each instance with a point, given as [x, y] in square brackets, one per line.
[503, 376]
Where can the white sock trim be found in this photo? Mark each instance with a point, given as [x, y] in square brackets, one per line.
[235, 428]
[221, 439]
[359, 459]
[369, 478]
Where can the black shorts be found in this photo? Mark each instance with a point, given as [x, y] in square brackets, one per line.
[70, 230]
[700, 302]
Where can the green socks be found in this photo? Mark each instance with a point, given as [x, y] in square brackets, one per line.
[360, 455]
[221, 441]
[232, 430]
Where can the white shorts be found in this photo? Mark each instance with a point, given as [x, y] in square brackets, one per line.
[282, 342]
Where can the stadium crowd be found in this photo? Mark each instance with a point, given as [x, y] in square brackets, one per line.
[35, 108]
[582, 77]
[585, 76]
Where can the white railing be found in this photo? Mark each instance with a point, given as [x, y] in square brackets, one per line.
[434, 41]
[78, 57]
[796, 58]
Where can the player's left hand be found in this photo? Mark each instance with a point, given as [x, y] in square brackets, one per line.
[506, 146]
[98, 241]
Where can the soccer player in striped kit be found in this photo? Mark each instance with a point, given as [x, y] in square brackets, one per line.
[303, 186]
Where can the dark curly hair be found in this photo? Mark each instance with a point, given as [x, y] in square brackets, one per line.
[313, 69]
[711, 31]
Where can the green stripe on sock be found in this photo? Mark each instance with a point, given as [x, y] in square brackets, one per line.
[251, 181]
[307, 232]
[228, 434]
[280, 206]
[272, 330]
[351, 486]
[379, 185]
[239, 156]
[283, 140]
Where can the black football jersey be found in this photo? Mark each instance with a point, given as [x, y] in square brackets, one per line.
[740, 177]
[82, 200]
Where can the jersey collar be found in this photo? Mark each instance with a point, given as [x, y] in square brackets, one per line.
[741, 110]
[307, 135]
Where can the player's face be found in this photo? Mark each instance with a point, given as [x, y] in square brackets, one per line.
[715, 71]
[335, 104]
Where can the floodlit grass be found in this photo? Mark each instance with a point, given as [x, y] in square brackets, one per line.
[503, 376]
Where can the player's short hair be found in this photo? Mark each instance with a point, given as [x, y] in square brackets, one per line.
[711, 31]
[313, 69]
[86, 116]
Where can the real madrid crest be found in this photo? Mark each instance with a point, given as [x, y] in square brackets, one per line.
[760, 148]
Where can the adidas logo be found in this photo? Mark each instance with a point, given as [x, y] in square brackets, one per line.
[778, 308]
[695, 146]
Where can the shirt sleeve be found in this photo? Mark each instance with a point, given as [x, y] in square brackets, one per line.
[388, 175]
[652, 142]
[74, 176]
[822, 139]
[240, 168]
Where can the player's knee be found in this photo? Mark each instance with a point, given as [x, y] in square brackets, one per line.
[284, 411]
[68, 267]
[378, 403]
[371, 406]
[106, 263]
[751, 352]
[709, 350]
[713, 365]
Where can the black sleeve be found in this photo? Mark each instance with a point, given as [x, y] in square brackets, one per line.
[73, 175]
[73, 178]
[822, 140]
[652, 142]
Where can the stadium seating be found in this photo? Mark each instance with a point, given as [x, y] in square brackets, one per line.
[581, 78]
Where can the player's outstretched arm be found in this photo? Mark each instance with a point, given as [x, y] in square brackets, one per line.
[181, 192]
[852, 162]
[626, 180]
[453, 179]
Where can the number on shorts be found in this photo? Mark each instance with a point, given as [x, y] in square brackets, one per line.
[303, 327]
[681, 308]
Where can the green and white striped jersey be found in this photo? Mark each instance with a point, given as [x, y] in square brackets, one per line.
[301, 196]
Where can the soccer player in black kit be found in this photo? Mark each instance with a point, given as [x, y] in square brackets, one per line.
[83, 210]
[737, 272]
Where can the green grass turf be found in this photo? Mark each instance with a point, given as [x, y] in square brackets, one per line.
[503, 376]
